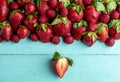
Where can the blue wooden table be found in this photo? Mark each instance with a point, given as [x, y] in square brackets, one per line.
[31, 62]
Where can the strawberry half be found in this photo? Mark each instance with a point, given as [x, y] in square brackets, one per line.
[114, 29]
[16, 17]
[102, 32]
[61, 26]
[61, 64]
[6, 31]
[89, 38]
[75, 12]
[44, 33]
[93, 12]
[79, 29]
[30, 22]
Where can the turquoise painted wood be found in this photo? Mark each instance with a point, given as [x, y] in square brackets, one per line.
[38, 68]
[30, 61]
[28, 47]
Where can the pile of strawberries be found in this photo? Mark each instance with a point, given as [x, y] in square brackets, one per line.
[48, 20]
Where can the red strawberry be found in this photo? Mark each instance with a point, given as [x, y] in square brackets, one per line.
[6, 31]
[93, 26]
[22, 32]
[68, 39]
[43, 19]
[87, 2]
[4, 10]
[22, 2]
[61, 26]
[16, 18]
[44, 33]
[61, 64]
[90, 38]
[30, 7]
[56, 40]
[102, 32]
[63, 12]
[1, 39]
[114, 15]
[15, 38]
[52, 3]
[63, 3]
[42, 7]
[114, 30]
[118, 9]
[51, 13]
[14, 5]
[92, 13]
[30, 22]
[75, 13]
[79, 29]
[110, 42]
[104, 18]
[33, 37]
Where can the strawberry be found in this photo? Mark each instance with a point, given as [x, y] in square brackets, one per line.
[79, 29]
[13, 5]
[110, 42]
[63, 3]
[89, 38]
[22, 32]
[30, 7]
[75, 12]
[61, 64]
[114, 15]
[118, 9]
[63, 12]
[55, 40]
[68, 39]
[114, 29]
[52, 3]
[16, 17]
[15, 38]
[4, 10]
[43, 19]
[30, 22]
[44, 33]
[87, 2]
[22, 2]
[92, 13]
[6, 31]
[51, 13]
[42, 7]
[93, 26]
[104, 18]
[102, 32]
[61, 26]
[33, 37]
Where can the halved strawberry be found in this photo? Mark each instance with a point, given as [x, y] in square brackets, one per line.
[6, 31]
[89, 38]
[102, 32]
[79, 29]
[75, 12]
[61, 64]
[114, 29]
[16, 17]
[44, 32]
